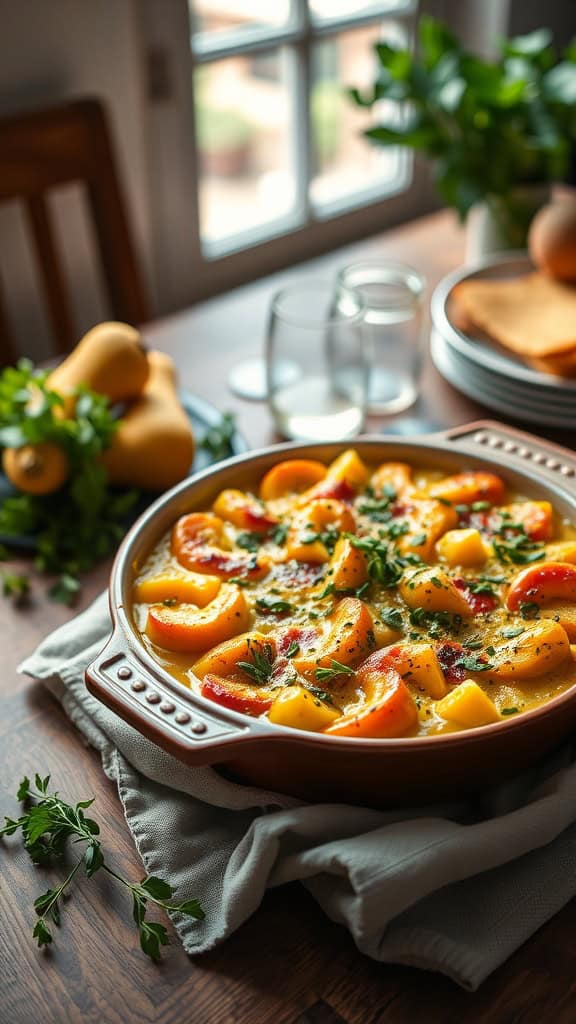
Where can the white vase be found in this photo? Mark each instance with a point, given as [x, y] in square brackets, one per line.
[501, 224]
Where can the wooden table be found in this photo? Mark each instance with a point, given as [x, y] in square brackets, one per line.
[289, 964]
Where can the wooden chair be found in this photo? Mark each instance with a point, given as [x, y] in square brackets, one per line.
[48, 148]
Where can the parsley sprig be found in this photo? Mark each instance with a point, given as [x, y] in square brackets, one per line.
[382, 562]
[46, 826]
[512, 545]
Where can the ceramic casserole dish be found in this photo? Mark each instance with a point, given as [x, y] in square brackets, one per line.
[317, 766]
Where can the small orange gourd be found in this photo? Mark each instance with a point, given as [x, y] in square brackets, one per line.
[36, 468]
[154, 445]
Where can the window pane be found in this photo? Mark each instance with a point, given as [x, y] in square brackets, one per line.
[331, 9]
[209, 17]
[344, 161]
[243, 125]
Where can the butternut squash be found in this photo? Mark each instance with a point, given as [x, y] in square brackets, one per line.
[110, 359]
[36, 468]
[154, 445]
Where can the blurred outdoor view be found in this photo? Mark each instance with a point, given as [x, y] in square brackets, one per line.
[247, 130]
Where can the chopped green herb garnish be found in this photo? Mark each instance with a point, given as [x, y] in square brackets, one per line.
[317, 692]
[362, 589]
[249, 540]
[418, 540]
[262, 664]
[382, 563]
[392, 617]
[511, 631]
[293, 649]
[325, 675]
[474, 663]
[509, 711]
[279, 534]
[529, 609]
[327, 537]
[273, 607]
[480, 587]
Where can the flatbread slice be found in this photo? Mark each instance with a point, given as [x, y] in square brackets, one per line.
[532, 315]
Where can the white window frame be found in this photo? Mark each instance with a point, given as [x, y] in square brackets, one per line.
[185, 269]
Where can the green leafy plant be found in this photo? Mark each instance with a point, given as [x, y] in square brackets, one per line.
[77, 526]
[46, 826]
[488, 126]
[217, 440]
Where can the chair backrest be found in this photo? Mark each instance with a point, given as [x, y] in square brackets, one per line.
[49, 148]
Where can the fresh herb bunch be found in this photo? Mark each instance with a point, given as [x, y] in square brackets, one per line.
[77, 526]
[217, 440]
[488, 126]
[46, 826]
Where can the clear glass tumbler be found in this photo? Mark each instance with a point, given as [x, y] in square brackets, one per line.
[324, 340]
[392, 296]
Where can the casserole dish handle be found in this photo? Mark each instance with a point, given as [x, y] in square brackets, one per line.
[169, 716]
[549, 462]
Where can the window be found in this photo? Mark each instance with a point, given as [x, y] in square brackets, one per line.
[256, 159]
[278, 144]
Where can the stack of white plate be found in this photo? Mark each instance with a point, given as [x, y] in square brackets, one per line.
[486, 373]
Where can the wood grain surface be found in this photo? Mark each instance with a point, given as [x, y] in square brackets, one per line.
[289, 964]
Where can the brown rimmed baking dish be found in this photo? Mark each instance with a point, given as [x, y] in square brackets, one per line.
[378, 773]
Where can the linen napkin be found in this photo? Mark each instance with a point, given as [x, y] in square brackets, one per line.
[452, 888]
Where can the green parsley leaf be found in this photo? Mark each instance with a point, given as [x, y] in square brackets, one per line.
[47, 827]
[474, 663]
[279, 534]
[249, 541]
[392, 617]
[272, 607]
[529, 609]
[217, 441]
[512, 631]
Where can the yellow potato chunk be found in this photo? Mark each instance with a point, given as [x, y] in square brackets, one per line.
[564, 613]
[185, 587]
[349, 467]
[462, 547]
[300, 709]
[348, 566]
[420, 667]
[384, 635]
[433, 590]
[561, 551]
[542, 647]
[467, 705]
[223, 659]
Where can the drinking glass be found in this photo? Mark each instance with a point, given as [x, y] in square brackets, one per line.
[392, 297]
[326, 400]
